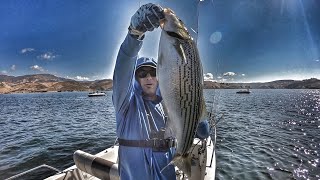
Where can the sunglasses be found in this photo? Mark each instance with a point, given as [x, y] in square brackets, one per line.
[143, 73]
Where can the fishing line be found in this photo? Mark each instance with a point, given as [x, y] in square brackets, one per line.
[197, 32]
[115, 142]
[219, 119]
[213, 120]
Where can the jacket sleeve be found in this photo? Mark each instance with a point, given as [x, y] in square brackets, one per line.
[123, 74]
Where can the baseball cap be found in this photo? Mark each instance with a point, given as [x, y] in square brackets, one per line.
[146, 62]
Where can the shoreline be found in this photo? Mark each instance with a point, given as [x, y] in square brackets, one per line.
[43, 92]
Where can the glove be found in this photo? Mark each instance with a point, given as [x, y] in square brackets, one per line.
[203, 130]
[145, 19]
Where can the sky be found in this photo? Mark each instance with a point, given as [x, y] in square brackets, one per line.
[238, 41]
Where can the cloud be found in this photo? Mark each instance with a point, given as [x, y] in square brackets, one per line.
[47, 56]
[221, 79]
[243, 74]
[13, 67]
[317, 60]
[25, 50]
[208, 77]
[37, 68]
[229, 74]
[80, 78]
[3, 72]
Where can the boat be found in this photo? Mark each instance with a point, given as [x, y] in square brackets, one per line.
[244, 91]
[94, 94]
[104, 165]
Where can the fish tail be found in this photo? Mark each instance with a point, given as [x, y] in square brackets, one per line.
[183, 163]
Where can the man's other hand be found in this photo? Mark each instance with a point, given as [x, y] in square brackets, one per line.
[147, 18]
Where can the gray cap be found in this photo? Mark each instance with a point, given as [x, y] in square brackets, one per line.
[146, 62]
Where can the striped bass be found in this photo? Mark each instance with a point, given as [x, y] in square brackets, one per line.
[180, 77]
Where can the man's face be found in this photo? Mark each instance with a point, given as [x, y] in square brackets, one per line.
[147, 78]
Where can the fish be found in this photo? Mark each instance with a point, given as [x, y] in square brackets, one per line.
[180, 77]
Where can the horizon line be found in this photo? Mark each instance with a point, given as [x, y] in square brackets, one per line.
[204, 80]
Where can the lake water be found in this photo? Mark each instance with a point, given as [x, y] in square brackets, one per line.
[268, 134]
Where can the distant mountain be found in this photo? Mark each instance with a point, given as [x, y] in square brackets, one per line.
[33, 78]
[305, 84]
[312, 83]
[49, 82]
[5, 78]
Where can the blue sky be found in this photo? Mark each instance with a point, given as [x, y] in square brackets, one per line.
[239, 41]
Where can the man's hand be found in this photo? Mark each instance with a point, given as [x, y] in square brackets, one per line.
[203, 130]
[147, 18]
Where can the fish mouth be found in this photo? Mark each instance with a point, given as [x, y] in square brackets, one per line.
[173, 26]
[174, 34]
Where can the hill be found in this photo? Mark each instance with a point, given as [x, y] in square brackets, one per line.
[312, 83]
[49, 82]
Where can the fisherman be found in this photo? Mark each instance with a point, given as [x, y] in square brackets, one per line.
[140, 115]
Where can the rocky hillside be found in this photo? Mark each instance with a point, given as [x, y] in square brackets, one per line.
[281, 84]
[48, 82]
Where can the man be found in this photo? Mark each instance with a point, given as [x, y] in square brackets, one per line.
[140, 115]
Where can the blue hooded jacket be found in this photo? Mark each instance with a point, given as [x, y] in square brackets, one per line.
[132, 122]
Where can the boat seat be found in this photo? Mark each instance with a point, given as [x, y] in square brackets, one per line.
[96, 166]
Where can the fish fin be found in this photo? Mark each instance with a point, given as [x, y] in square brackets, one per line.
[204, 113]
[160, 58]
[183, 163]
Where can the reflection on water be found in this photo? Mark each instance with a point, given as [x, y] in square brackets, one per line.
[48, 128]
[268, 134]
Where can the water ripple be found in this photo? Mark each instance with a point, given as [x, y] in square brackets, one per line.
[268, 134]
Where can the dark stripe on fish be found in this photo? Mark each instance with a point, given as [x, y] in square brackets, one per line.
[189, 87]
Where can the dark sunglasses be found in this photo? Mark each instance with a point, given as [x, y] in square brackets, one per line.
[144, 73]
